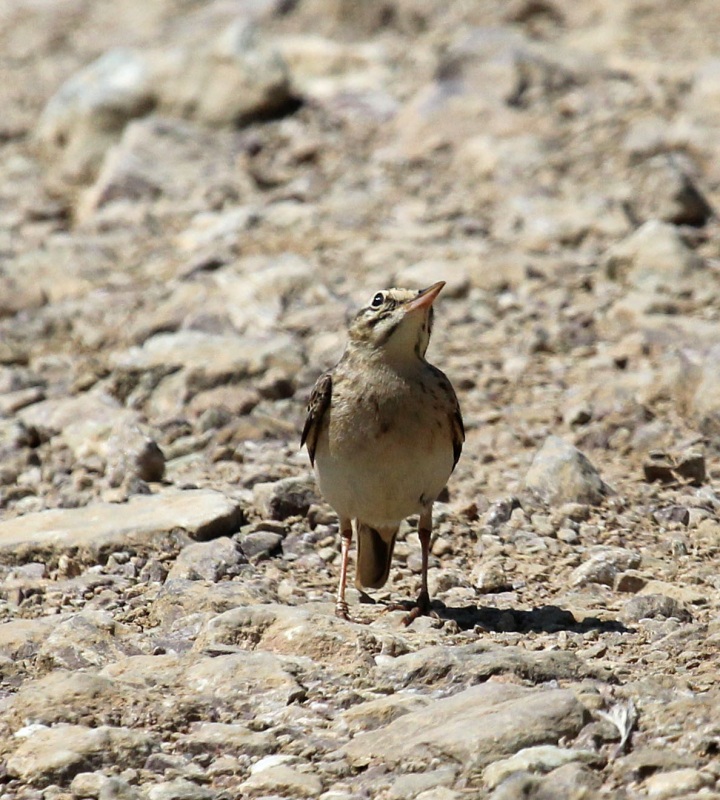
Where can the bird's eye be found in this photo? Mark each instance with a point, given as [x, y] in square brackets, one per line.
[377, 301]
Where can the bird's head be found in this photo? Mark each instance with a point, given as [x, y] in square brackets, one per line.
[396, 322]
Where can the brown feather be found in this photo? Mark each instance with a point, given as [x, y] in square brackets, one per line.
[318, 404]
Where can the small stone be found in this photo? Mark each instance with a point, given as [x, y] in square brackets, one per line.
[206, 737]
[560, 473]
[261, 544]
[629, 581]
[653, 257]
[87, 784]
[284, 780]
[679, 514]
[52, 753]
[285, 498]
[490, 578]
[653, 606]
[180, 789]
[451, 726]
[539, 759]
[691, 467]
[677, 783]
[668, 192]
[211, 561]
[603, 566]
[500, 512]
[133, 454]
[568, 535]
[579, 414]
[103, 527]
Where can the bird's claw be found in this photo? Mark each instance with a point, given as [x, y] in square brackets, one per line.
[420, 608]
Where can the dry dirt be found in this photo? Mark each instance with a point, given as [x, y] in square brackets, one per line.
[194, 197]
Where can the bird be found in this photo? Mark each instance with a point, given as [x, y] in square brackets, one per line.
[384, 432]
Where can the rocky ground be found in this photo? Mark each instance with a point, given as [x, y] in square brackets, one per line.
[194, 196]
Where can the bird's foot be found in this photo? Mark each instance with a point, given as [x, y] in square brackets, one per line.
[420, 608]
[343, 612]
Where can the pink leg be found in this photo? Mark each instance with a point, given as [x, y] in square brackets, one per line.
[341, 606]
[422, 605]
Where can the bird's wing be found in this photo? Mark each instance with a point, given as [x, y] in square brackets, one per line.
[317, 406]
[458, 431]
[457, 427]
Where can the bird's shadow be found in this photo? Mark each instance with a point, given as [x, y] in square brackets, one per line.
[545, 619]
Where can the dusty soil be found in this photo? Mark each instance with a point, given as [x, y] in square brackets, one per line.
[194, 197]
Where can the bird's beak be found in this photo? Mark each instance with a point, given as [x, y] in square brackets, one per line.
[426, 297]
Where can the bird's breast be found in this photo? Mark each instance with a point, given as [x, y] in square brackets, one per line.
[385, 453]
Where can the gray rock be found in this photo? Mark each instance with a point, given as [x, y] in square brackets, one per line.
[47, 755]
[669, 193]
[261, 544]
[283, 780]
[21, 638]
[652, 606]
[144, 521]
[206, 737]
[180, 789]
[560, 473]
[677, 783]
[232, 80]
[286, 498]
[653, 257]
[539, 759]
[431, 665]
[87, 639]
[474, 727]
[381, 711]
[97, 785]
[603, 566]
[210, 359]
[142, 168]
[115, 788]
[94, 411]
[68, 696]
[133, 454]
[89, 111]
[416, 784]
[87, 784]
[226, 681]
[209, 561]
[704, 402]
[180, 598]
[281, 629]
[236, 80]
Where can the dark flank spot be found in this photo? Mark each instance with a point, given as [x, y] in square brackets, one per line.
[423, 388]
[384, 428]
[438, 423]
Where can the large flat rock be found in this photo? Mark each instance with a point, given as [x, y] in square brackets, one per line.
[473, 728]
[144, 521]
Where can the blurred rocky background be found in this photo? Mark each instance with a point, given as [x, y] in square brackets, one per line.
[194, 196]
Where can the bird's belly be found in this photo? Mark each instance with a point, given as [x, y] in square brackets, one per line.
[385, 475]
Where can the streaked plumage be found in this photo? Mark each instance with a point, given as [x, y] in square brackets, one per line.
[384, 431]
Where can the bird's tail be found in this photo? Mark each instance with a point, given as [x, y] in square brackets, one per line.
[374, 554]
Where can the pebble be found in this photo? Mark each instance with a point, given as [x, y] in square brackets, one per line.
[562, 474]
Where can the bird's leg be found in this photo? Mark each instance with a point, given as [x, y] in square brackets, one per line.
[341, 606]
[422, 604]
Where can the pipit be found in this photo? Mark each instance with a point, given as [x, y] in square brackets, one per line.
[384, 432]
